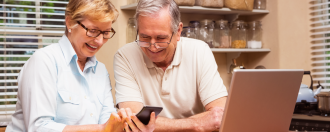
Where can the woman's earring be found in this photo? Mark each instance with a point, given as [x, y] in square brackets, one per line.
[69, 30]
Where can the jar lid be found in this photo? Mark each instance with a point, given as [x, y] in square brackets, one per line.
[221, 21]
[238, 23]
[255, 23]
[194, 22]
[206, 21]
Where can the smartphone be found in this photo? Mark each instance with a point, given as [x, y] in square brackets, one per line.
[144, 114]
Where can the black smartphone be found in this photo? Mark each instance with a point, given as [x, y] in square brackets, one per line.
[144, 114]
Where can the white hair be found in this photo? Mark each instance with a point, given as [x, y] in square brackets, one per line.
[152, 7]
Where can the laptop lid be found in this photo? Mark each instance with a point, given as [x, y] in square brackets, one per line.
[261, 100]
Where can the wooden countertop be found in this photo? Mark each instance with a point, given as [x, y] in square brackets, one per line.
[313, 117]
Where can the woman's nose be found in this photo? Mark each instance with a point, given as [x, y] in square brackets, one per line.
[99, 39]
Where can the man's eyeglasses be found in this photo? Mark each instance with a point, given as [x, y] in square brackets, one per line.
[158, 45]
[95, 33]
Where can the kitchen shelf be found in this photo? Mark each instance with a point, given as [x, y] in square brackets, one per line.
[205, 10]
[235, 53]
[229, 14]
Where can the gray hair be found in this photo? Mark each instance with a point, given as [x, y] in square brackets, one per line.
[152, 7]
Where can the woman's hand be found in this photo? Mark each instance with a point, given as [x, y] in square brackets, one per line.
[114, 124]
[135, 124]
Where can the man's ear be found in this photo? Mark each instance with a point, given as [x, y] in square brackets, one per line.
[179, 31]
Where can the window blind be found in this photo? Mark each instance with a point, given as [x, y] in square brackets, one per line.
[320, 28]
[25, 26]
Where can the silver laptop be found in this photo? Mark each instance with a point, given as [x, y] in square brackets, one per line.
[261, 100]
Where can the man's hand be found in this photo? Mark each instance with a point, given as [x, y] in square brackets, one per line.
[135, 124]
[114, 124]
[210, 120]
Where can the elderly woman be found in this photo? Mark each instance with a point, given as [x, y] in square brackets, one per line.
[63, 87]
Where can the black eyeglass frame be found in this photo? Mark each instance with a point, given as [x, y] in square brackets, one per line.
[101, 32]
[138, 41]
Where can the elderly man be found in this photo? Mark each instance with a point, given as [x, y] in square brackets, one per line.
[162, 69]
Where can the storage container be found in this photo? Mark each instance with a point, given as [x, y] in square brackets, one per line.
[196, 26]
[238, 35]
[254, 35]
[206, 31]
[239, 4]
[212, 3]
[198, 2]
[221, 37]
[131, 30]
[188, 32]
[260, 4]
[185, 2]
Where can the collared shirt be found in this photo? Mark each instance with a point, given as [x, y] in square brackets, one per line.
[53, 92]
[188, 84]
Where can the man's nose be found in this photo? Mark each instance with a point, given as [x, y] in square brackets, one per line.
[153, 47]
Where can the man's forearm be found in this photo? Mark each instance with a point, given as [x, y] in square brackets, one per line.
[206, 121]
[192, 124]
[174, 125]
[84, 128]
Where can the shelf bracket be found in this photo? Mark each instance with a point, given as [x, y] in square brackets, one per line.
[231, 17]
[230, 57]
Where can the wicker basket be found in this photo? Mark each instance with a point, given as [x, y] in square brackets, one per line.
[239, 4]
[210, 3]
[185, 2]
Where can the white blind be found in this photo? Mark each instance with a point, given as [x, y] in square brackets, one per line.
[25, 26]
[320, 11]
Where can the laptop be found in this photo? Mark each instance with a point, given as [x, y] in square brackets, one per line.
[261, 100]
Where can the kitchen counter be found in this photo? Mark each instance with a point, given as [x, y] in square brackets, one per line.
[313, 117]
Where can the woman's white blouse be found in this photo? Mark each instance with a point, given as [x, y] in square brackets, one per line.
[53, 92]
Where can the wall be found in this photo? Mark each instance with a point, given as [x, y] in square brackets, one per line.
[294, 38]
[286, 33]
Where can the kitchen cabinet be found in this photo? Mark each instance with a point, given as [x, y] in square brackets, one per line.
[230, 15]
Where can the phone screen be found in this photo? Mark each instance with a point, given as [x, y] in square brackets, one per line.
[144, 114]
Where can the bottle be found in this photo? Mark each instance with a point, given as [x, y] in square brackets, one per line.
[221, 37]
[255, 35]
[131, 31]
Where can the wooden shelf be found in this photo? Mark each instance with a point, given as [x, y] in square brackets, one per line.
[205, 10]
[229, 50]
[235, 53]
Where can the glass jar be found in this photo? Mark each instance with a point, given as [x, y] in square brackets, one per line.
[188, 32]
[131, 30]
[221, 37]
[196, 26]
[238, 35]
[260, 4]
[255, 35]
[206, 31]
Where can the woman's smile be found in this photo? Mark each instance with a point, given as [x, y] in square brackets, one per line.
[91, 47]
